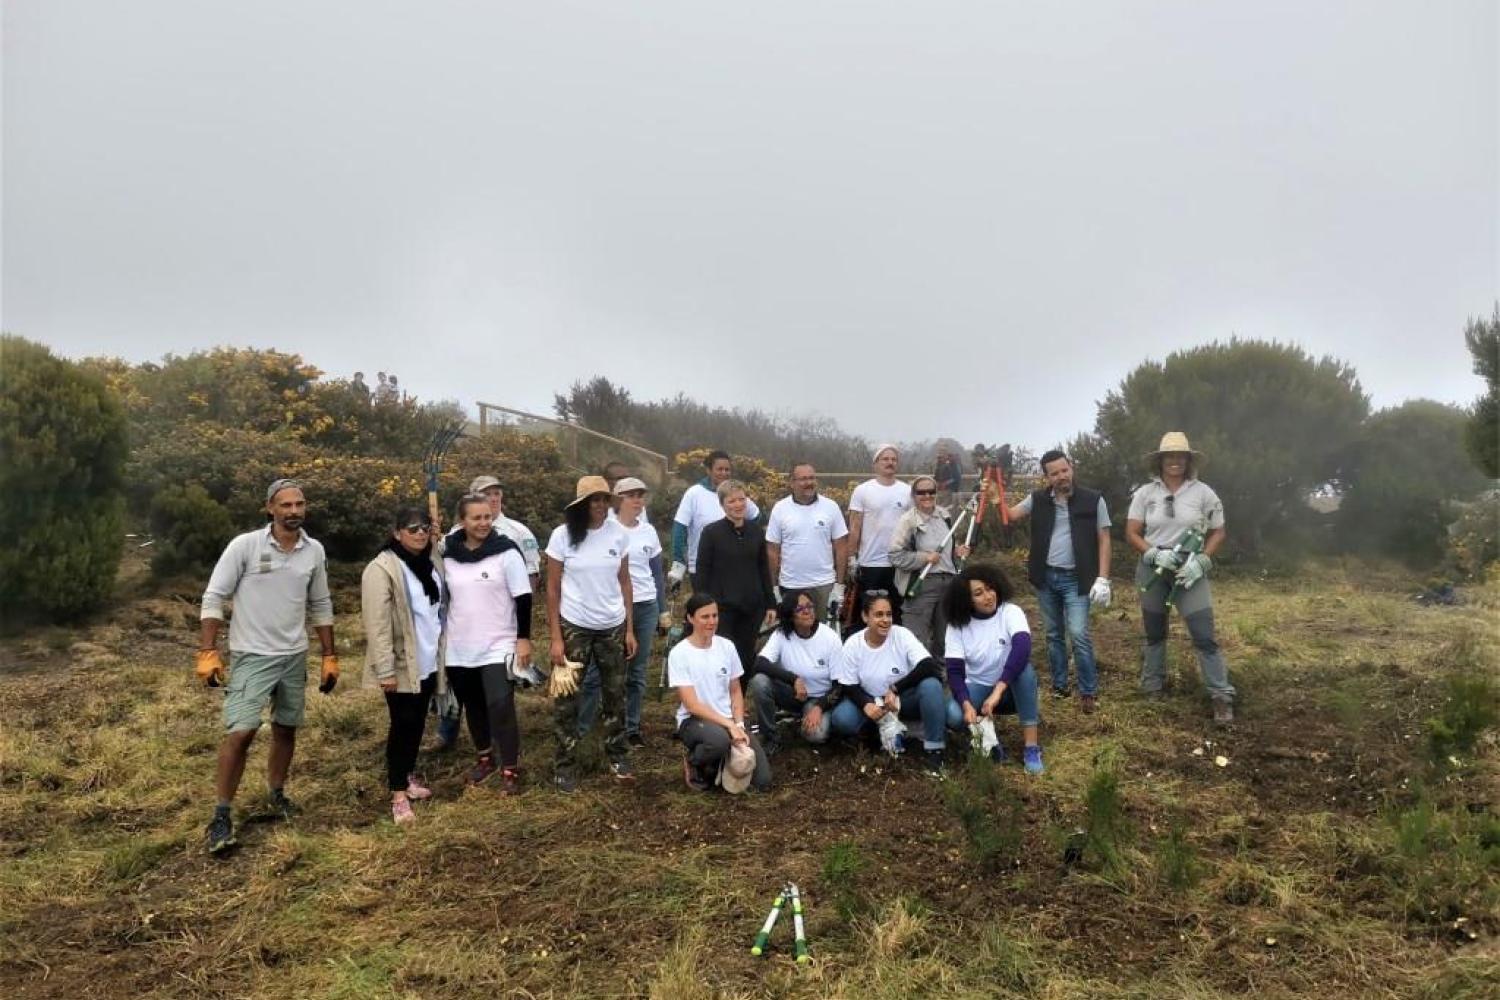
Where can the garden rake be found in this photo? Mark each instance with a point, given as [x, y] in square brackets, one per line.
[432, 463]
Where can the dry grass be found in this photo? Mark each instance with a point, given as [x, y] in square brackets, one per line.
[1330, 854]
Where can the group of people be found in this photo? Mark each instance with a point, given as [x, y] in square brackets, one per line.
[934, 642]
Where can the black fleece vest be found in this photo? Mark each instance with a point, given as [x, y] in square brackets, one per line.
[1083, 516]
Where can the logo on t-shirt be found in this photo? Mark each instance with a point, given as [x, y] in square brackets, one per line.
[822, 523]
[613, 552]
[484, 574]
[723, 671]
[895, 670]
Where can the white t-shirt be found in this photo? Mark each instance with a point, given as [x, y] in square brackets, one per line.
[699, 508]
[709, 671]
[878, 669]
[428, 621]
[524, 539]
[644, 545]
[591, 596]
[984, 643]
[818, 659]
[482, 607]
[882, 507]
[806, 533]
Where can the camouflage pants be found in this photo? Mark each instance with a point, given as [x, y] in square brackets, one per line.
[606, 649]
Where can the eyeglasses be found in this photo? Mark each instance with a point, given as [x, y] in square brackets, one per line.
[924, 493]
[803, 606]
[418, 529]
[877, 593]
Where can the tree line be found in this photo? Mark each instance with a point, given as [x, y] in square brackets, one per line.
[183, 448]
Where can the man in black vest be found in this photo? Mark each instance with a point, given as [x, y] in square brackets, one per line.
[1069, 567]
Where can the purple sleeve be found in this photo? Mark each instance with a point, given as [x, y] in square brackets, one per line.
[956, 682]
[1020, 655]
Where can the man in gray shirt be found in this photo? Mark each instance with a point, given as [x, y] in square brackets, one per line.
[277, 578]
[1069, 567]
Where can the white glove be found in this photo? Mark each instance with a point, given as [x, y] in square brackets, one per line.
[984, 736]
[1164, 559]
[1195, 569]
[892, 733]
[676, 573]
[776, 591]
[853, 567]
[1099, 595]
[837, 595]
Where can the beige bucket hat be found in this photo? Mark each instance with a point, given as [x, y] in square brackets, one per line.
[587, 487]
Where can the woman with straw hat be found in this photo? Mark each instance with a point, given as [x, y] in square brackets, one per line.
[589, 605]
[1176, 523]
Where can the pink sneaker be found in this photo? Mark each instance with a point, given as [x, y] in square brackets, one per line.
[416, 790]
[401, 812]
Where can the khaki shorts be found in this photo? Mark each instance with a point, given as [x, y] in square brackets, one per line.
[255, 679]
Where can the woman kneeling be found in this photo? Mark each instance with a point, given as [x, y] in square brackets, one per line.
[704, 668]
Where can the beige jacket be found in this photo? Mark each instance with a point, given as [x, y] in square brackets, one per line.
[390, 632]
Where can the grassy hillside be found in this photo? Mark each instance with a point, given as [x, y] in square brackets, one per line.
[1331, 854]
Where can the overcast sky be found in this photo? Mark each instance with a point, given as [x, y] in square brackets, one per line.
[919, 218]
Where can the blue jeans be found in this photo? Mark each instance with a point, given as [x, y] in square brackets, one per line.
[928, 702]
[1063, 606]
[1020, 699]
[643, 618]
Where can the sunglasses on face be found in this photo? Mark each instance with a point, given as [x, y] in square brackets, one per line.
[418, 529]
[924, 493]
[878, 593]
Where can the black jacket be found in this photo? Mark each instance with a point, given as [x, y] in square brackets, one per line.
[732, 566]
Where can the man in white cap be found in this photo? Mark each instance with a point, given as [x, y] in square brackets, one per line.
[277, 578]
[874, 508]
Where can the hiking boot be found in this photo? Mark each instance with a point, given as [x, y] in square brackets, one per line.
[1223, 711]
[932, 763]
[564, 782]
[693, 777]
[401, 811]
[510, 781]
[415, 790]
[1088, 703]
[482, 769]
[636, 740]
[221, 833]
[283, 807]
[1032, 758]
[1061, 692]
[997, 753]
[623, 772]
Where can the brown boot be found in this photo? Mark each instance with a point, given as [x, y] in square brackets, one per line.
[1223, 711]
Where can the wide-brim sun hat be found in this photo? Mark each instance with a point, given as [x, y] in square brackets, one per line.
[1174, 441]
[629, 485]
[734, 778]
[589, 486]
[482, 483]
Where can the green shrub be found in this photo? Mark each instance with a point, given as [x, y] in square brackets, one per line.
[1474, 539]
[63, 442]
[992, 820]
[842, 864]
[1107, 828]
[1471, 707]
[1176, 862]
[190, 529]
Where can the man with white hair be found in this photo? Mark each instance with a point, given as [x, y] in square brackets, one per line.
[874, 508]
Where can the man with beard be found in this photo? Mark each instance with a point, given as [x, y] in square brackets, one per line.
[1069, 567]
[277, 578]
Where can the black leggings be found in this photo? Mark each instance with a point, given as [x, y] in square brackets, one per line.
[408, 718]
[489, 703]
[741, 628]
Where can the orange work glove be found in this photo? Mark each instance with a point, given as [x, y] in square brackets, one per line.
[330, 673]
[210, 669]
